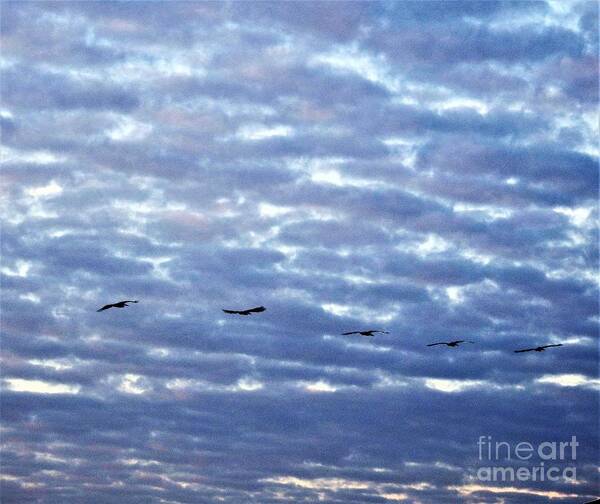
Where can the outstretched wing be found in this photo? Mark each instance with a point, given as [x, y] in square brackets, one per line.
[258, 309]
[433, 344]
[128, 302]
[548, 346]
[105, 307]
[525, 350]
[351, 332]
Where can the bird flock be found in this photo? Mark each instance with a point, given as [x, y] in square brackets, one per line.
[368, 332]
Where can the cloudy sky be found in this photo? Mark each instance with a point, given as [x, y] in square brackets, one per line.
[427, 168]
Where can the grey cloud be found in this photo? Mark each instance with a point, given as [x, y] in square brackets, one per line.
[24, 87]
[452, 133]
[435, 44]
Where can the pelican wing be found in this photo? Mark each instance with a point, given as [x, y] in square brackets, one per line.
[525, 350]
[106, 307]
[258, 309]
[433, 344]
[351, 332]
[548, 346]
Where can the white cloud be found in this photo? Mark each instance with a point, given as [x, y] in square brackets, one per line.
[40, 386]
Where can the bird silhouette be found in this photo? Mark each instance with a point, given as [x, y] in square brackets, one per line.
[450, 343]
[120, 304]
[249, 311]
[537, 349]
[365, 333]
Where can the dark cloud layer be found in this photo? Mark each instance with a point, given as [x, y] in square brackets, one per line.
[427, 168]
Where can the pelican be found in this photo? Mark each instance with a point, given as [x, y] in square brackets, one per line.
[249, 311]
[120, 304]
[450, 343]
[537, 349]
[370, 332]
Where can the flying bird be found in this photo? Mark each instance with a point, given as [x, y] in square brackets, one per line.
[120, 304]
[450, 343]
[537, 349]
[249, 311]
[370, 332]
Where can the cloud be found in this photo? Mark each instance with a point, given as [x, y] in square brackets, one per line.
[425, 169]
[23, 87]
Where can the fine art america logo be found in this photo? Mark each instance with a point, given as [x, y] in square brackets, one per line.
[524, 461]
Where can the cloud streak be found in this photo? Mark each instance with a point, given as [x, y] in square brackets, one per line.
[428, 169]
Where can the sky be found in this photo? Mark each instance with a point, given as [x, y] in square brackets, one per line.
[425, 168]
